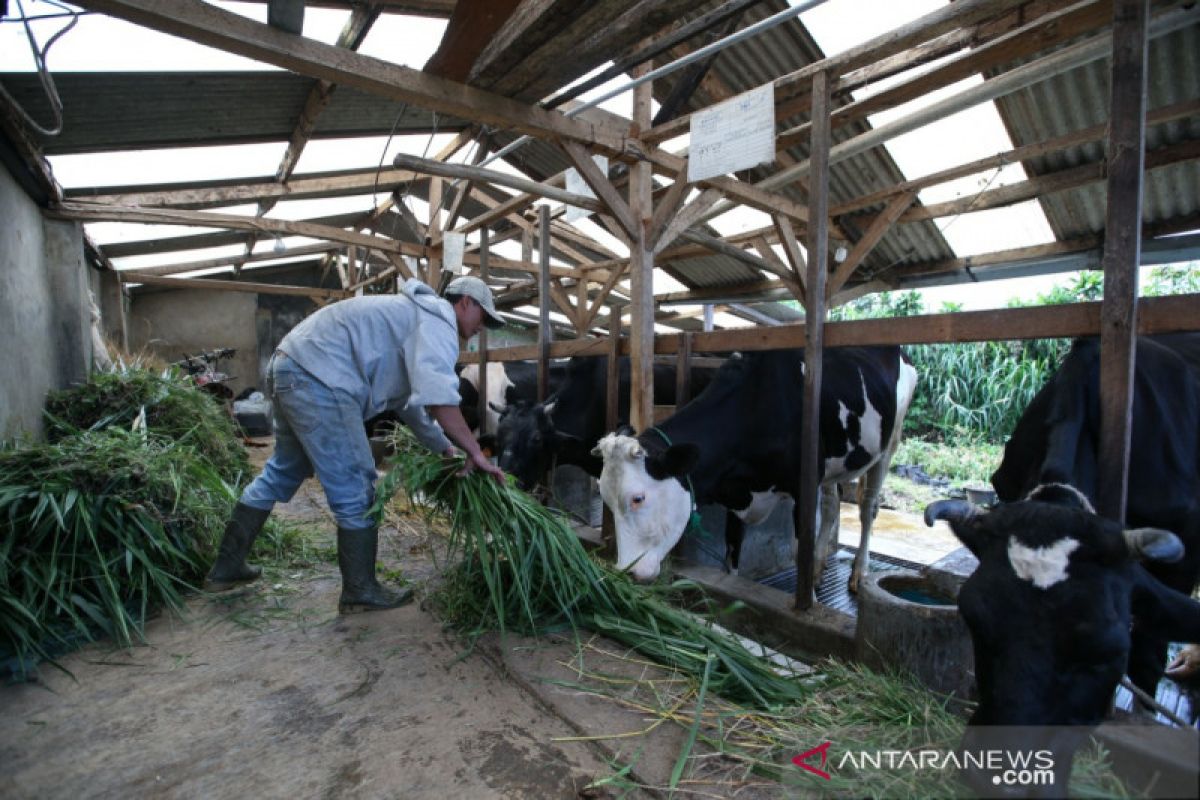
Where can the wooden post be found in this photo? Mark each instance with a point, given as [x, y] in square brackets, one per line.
[683, 371]
[814, 340]
[608, 529]
[545, 333]
[1122, 252]
[641, 272]
[483, 336]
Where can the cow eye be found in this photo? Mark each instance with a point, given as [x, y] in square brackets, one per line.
[636, 500]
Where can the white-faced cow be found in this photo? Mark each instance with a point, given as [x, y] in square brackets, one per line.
[566, 427]
[738, 444]
[1057, 437]
[1049, 611]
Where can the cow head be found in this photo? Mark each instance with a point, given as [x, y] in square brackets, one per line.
[649, 502]
[527, 440]
[1049, 608]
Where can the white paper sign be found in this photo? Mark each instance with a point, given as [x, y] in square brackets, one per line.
[453, 245]
[577, 185]
[734, 135]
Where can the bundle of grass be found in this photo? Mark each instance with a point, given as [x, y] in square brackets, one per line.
[174, 408]
[97, 531]
[521, 567]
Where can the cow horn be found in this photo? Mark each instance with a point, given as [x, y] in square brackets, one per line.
[950, 510]
[1154, 544]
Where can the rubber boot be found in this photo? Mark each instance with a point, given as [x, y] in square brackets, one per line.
[231, 569]
[356, 559]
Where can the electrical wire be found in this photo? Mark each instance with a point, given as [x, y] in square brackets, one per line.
[44, 77]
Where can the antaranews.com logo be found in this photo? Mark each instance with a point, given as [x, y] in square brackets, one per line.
[1007, 767]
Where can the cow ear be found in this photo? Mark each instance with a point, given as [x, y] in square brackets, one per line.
[680, 459]
[547, 407]
[499, 409]
[1154, 544]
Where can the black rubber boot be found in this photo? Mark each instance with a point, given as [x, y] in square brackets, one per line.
[356, 558]
[231, 569]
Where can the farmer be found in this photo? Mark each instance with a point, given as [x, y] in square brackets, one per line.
[344, 364]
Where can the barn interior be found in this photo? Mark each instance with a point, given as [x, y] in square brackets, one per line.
[599, 232]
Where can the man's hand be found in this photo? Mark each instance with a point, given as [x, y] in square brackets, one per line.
[451, 452]
[480, 461]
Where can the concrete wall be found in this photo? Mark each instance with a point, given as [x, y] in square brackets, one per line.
[44, 316]
[176, 323]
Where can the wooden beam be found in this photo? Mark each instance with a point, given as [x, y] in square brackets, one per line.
[1155, 315]
[791, 249]
[482, 387]
[430, 167]
[668, 206]
[807, 503]
[862, 248]
[545, 332]
[205, 219]
[228, 261]
[225, 30]
[602, 297]
[232, 286]
[641, 271]
[1122, 253]
[599, 183]
[687, 216]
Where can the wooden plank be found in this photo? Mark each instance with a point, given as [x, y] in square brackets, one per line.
[879, 226]
[601, 298]
[599, 183]
[205, 219]
[683, 371]
[669, 204]
[818, 265]
[545, 332]
[227, 261]
[1122, 253]
[791, 249]
[641, 273]
[428, 166]
[612, 398]
[482, 388]
[200, 22]
[687, 216]
[232, 286]
[1155, 315]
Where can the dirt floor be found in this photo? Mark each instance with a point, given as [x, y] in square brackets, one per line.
[267, 692]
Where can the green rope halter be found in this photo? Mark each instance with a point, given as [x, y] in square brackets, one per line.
[694, 521]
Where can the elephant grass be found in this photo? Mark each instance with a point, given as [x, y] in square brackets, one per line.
[519, 566]
[170, 405]
[97, 531]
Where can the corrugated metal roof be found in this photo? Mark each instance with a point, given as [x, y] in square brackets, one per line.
[140, 110]
[1079, 99]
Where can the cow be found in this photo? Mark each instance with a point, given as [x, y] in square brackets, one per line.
[566, 427]
[1049, 611]
[738, 444]
[1056, 441]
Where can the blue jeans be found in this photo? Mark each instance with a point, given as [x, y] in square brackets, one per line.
[317, 429]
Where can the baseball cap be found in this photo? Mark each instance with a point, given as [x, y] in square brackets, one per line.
[478, 291]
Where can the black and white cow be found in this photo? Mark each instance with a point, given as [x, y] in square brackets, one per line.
[508, 382]
[566, 427]
[738, 444]
[1049, 611]
[1057, 437]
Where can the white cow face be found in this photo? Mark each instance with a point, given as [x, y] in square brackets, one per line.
[650, 514]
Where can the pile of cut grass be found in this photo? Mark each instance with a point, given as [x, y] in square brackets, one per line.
[172, 406]
[520, 567]
[97, 531]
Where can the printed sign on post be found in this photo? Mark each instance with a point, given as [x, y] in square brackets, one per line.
[577, 185]
[734, 135]
[453, 245]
